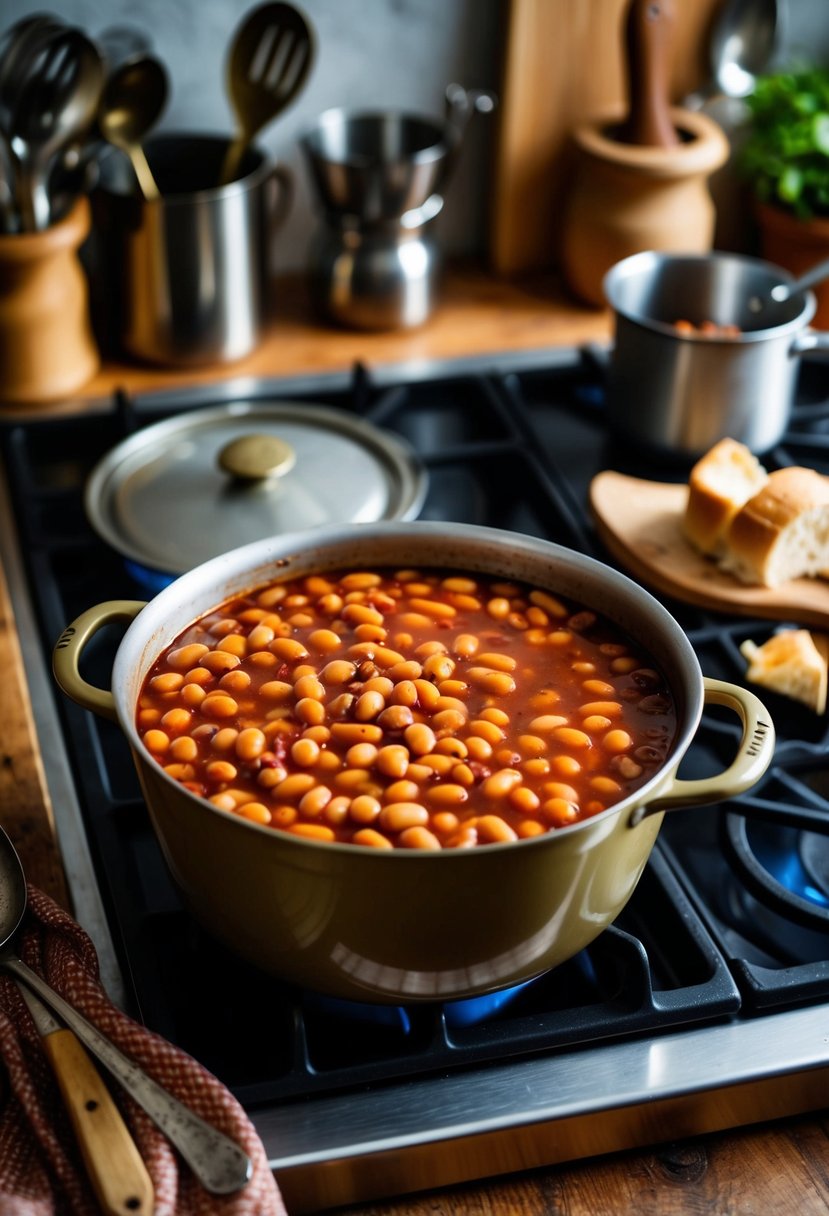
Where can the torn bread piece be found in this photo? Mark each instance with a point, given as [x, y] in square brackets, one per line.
[793, 662]
[720, 483]
[781, 533]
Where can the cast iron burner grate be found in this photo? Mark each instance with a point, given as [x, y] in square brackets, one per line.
[510, 449]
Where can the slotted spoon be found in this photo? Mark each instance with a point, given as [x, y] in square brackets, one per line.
[17, 45]
[55, 105]
[268, 63]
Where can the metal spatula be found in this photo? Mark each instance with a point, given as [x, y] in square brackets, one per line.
[269, 60]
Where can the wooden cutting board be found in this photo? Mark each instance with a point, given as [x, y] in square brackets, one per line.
[563, 62]
[640, 523]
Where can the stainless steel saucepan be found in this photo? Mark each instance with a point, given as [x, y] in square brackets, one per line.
[680, 389]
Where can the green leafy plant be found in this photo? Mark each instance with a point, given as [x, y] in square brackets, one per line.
[785, 156]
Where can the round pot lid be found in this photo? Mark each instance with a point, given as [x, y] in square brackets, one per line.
[201, 483]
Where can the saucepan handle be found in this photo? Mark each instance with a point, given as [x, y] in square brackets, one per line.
[810, 340]
[753, 755]
[71, 645]
[281, 185]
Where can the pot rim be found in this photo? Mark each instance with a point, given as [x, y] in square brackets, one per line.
[705, 149]
[253, 179]
[429, 153]
[280, 549]
[649, 261]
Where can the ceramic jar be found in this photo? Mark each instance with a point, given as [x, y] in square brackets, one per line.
[627, 197]
[47, 349]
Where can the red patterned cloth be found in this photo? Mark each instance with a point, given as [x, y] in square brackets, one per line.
[41, 1170]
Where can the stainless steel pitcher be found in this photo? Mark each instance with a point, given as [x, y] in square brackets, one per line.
[379, 177]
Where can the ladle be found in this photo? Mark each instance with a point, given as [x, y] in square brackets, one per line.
[218, 1162]
[745, 37]
[133, 99]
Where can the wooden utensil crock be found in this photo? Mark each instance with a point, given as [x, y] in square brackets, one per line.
[47, 349]
[628, 197]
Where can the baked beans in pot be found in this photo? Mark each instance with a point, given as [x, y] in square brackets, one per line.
[408, 762]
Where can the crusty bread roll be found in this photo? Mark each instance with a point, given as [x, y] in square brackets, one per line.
[782, 532]
[792, 662]
[720, 483]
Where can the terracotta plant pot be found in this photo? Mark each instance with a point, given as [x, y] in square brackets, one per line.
[796, 245]
[627, 197]
[47, 350]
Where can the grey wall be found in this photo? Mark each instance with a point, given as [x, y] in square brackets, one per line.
[392, 54]
[397, 54]
[805, 27]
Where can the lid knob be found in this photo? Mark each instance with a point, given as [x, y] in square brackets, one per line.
[257, 457]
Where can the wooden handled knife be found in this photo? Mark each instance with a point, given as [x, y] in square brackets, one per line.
[116, 1169]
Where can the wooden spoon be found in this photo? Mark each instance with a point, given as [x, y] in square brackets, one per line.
[269, 60]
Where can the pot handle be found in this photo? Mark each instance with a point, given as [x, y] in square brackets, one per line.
[753, 758]
[281, 184]
[812, 339]
[71, 644]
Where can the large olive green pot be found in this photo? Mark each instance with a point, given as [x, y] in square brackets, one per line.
[408, 925]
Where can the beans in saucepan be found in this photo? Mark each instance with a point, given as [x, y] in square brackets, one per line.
[409, 708]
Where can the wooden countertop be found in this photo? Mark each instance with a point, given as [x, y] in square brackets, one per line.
[779, 1169]
[478, 314]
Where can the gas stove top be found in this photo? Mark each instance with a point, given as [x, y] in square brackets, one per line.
[704, 1006]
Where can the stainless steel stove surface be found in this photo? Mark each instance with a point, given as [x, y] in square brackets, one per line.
[704, 1006]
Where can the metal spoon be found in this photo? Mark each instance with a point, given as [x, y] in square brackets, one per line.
[18, 44]
[54, 106]
[269, 60]
[218, 1162]
[744, 40]
[784, 291]
[133, 98]
[115, 1167]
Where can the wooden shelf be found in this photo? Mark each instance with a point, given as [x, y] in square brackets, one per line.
[478, 314]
